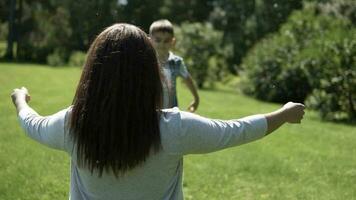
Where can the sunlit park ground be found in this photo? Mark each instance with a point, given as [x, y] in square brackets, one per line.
[314, 160]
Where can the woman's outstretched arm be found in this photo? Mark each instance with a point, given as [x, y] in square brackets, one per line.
[195, 134]
[48, 130]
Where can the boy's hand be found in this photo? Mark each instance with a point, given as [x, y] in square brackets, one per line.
[193, 106]
[293, 112]
[20, 95]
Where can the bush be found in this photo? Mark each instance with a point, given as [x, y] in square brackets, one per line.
[270, 74]
[311, 55]
[77, 58]
[334, 95]
[200, 46]
[56, 58]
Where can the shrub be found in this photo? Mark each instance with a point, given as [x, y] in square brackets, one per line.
[334, 94]
[77, 58]
[200, 46]
[56, 58]
[270, 74]
[311, 55]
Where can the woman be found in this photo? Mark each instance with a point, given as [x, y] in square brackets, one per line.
[122, 146]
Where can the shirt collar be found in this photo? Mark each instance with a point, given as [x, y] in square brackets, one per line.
[170, 56]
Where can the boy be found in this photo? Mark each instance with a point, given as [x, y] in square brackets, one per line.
[162, 35]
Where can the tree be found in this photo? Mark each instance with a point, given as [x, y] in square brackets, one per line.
[140, 12]
[11, 37]
[88, 18]
[200, 46]
[311, 59]
[245, 22]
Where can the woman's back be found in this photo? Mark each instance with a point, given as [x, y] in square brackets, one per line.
[160, 176]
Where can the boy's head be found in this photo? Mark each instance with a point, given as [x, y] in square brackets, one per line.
[162, 35]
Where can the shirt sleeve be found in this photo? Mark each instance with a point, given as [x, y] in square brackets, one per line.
[49, 130]
[183, 72]
[202, 135]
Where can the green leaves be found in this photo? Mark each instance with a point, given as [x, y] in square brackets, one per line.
[311, 59]
[201, 47]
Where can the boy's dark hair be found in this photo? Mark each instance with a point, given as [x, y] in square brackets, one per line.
[162, 25]
[116, 108]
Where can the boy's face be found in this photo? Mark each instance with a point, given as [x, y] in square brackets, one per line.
[162, 41]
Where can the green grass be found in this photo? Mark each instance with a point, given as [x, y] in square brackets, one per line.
[314, 160]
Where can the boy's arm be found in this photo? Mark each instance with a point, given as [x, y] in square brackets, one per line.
[191, 86]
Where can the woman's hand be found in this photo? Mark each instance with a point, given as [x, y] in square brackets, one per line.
[293, 112]
[20, 98]
[20, 95]
[290, 112]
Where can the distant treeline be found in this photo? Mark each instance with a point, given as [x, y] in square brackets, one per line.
[40, 28]
[282, 50]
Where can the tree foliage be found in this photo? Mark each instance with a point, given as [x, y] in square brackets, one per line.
[311, 58]
[287, 49]
[201, 47]
[75, 23]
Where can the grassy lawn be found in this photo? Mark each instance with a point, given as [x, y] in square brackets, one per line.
[315, 160]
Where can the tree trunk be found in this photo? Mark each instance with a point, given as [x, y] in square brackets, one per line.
[11, 37]
[19, 30]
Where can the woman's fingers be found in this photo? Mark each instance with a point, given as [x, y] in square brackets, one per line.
[20, 93]
[24, 89]
[295, 112]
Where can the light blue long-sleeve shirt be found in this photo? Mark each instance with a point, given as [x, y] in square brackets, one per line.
[160, 177]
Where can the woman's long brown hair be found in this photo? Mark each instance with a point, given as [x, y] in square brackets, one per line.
[115, 115]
